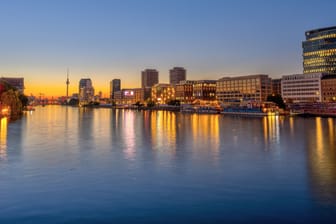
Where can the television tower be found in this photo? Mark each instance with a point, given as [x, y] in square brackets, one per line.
[67, 83]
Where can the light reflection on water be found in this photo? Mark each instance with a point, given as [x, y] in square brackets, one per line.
[322, 159]
[92, 165]
[3, 138]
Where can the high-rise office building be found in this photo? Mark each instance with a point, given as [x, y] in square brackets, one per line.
[176, 75]
[115, 85]
[149, 78]
[86, 91]
[319, 51]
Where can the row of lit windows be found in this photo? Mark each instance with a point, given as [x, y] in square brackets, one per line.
[321, 52]
[322, 62]
[325, 69]
[319, 65]
[238, 84]
[244, 92]
[200, 85]
[314, 91]
[300, 86]
[223, 88]
[240, 81]
[315, 60]
[327, 58]
[296, 89]
[241, 91]
[232, 95]
[241, 86]
[332, 35]
[227, 97]
[298, 94]
[288, 82]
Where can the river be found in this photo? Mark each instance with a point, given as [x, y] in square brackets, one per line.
[73, 165]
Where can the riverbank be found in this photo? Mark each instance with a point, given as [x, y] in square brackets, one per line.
[311, 112]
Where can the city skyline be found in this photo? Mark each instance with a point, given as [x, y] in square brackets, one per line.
[108, 40]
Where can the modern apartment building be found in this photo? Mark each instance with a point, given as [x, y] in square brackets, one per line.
[299, 88]
[319, 51]
[244, 88]
[176, 75]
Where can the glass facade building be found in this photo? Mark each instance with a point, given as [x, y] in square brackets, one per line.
[319, 51]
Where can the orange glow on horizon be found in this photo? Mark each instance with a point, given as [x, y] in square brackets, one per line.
[51, 89]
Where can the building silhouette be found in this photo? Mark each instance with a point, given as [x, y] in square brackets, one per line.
[176, 75]
[149, 78]
[115, 85]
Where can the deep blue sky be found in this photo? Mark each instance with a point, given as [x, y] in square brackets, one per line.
[119, 38]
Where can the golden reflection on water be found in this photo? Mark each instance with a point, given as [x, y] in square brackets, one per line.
[163, 129]
[3, 138]
[271, 128]
[291, 125]
[129, 134]
[319, 138]
[206, 128]
[322, 158]
[331, 127]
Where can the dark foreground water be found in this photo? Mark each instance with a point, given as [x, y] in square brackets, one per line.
[70, 165]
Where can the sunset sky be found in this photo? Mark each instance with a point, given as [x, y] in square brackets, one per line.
[103, 40]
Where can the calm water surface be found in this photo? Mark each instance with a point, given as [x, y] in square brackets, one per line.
[71, 165]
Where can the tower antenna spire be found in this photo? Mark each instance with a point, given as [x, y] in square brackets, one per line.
[67, 85]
